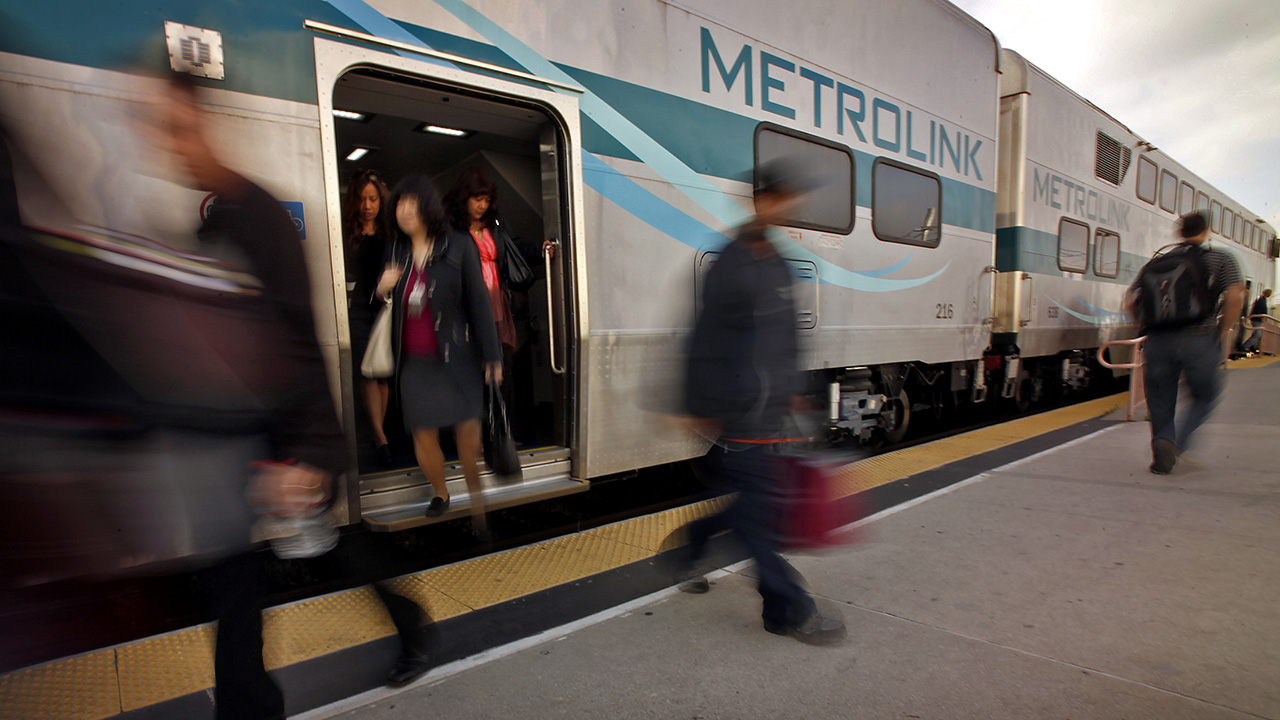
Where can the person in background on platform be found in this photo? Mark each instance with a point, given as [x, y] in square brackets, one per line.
[742, 381]
[1194, 350]
[446, 341]
[304, 434]
[1259, 308]
[367, 228]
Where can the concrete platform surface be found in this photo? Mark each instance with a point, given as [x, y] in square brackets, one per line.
[1072, 584]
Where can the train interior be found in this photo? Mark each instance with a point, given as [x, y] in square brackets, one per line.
[397, 126]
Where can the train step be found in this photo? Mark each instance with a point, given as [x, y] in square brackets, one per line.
[395, 501]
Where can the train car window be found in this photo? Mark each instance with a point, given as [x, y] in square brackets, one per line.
[1186, 199]
[1202, 202]
[1241, 234]
[1228, 218]
[1215, 216]
[1106, 253]
[830, 166]
[1073, 245]
[906, 204]
[1253, 234]
[1168, 191]
[1147, 176]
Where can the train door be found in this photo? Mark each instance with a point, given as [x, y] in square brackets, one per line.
[386, 117]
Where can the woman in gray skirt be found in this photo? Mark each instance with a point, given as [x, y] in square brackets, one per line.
[446, 345]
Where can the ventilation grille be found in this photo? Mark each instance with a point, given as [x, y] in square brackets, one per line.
[1113, 159]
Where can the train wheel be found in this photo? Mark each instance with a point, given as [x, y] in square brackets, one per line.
[897, 416]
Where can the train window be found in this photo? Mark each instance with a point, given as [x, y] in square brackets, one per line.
[1202, 202]
[1073, 245]
[1186, 199]
[1215, 216]
[1227, 219]
[1240, 233]
[1147, 180]
[906, 204]
[1168, 191]
[830, 205]
[1106, 253]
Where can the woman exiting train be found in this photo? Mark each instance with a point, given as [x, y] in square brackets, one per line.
[367, 229]
[446, 345]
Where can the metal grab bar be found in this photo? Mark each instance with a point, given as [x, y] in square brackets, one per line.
[1136, 392]
[549, 249]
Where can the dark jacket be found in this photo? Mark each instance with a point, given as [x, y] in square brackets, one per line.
[465, 332]
[744, 354]
[304, 425]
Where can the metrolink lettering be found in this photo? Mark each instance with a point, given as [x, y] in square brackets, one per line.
[1076, 199]
[874, 121]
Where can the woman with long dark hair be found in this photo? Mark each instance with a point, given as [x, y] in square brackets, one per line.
[446, 345]
[472, 205]
[367, 231]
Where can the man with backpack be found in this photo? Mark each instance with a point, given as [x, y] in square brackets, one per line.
[1176, 300]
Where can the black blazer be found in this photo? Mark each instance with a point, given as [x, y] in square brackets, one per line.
[466, 336]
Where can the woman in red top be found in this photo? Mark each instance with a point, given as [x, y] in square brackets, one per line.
[446, 344]
[472, 205]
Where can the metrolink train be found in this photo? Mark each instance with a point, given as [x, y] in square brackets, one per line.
[975, 230]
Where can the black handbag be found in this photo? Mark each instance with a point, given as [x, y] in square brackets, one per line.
[499, 448]
[514, 268]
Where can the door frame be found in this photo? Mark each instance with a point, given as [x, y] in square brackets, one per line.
[335, 58]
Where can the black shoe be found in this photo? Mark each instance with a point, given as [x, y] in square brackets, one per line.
[437, 506]
[818, 629]
[383, 455]
[409, 667]
[1164, 455]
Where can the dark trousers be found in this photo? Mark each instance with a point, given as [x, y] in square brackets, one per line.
[242, 688]
[753, 517]
[1168, 356]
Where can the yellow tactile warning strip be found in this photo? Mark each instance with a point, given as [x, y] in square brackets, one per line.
[1249, 363]
[153, 670]
[883, 469]
[78, 688]
[165, 667]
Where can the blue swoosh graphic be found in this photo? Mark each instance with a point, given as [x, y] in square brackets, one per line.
[1108, 318]
[1099, 311]
[659, 214]
[619, 189]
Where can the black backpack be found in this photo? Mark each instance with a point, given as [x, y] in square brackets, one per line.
[1174, 288]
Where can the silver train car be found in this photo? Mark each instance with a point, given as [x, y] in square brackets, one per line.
[627, 135]
[1083, 203]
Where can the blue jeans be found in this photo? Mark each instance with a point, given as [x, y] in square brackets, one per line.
[753, 516]
[1169, 356]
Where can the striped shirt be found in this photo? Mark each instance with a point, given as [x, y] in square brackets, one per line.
[1224, 272]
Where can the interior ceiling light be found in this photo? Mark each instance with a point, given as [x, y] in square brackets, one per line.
[440, 130]
[352, 115]
[358, 153]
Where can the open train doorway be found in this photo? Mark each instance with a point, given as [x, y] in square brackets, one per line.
[388, 125]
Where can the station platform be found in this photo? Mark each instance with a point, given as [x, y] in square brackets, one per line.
[1031, 569]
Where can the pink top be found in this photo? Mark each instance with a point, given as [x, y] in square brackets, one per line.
[488, 260]
[419, 333]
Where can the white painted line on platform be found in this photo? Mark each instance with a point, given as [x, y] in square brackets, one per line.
[444, 672]
[975, 479]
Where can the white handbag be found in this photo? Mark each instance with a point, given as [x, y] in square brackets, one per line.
[379, 360]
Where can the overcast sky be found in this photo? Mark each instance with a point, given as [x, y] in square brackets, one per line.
[1200, 79]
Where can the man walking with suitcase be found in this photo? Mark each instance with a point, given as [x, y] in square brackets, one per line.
[1176, 298]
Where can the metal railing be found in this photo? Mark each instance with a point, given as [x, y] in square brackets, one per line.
[1136, 393]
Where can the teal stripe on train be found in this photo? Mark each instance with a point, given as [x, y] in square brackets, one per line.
[1035, 251]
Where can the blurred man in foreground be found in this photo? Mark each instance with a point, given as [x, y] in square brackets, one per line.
[742, 382]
